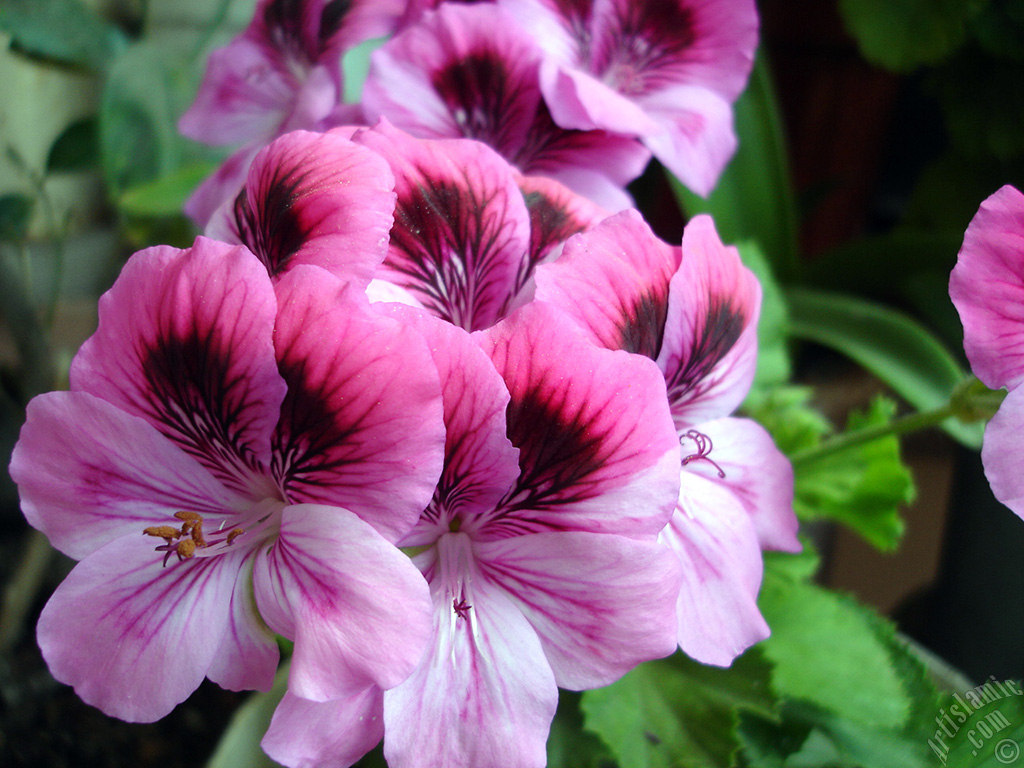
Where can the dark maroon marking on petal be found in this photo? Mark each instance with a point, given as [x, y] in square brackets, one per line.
[271, 227]
[331, 19]
[283, 20]
[558, 452]
[722, 328]
[199, 403]
[550, 224]
[450, 243]
[479, 93]
[651, 35]
[644, 330]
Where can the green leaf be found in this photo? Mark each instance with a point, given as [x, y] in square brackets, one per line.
[63, 30]
[15, 215]
[991, 731]
[832, 652]
[861, 486]
[77, 147]
[165, 195]
[901, 35]
[786, 413]
[773, 365]
[355, 65]
[239, 745]
[675, 713]
[894, 347]
[569, 745]
[754, 197]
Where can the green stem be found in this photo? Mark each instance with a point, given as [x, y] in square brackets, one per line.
[901, 426]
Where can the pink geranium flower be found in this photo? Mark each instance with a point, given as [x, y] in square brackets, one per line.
[233, 460]
[471, 71]
[666, 71]
[540, 547]
[694, 311]
[987, 288]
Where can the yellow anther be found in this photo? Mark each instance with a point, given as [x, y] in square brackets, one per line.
[235, 534]
[192, 517]
[162, 531]
[197, 534]
[186, 549]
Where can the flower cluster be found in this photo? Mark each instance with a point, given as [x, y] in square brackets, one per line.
[413, 404]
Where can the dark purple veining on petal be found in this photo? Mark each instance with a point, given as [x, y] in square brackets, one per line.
[331, 19]
[560, 451]
[450, 237]
[722, 328]
[271, 226]
[283, 21]
[644, 329]
[551, 223]
[480, 94]
[645, 48]
[198, 399]
[576, 15]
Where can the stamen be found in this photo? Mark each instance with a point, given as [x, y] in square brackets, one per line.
[232, 535]
[166, 532]
[186, 548]
[704, 446]
[190, 517]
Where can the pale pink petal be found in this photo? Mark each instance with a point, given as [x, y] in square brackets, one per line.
[135, 638]
[484, 695]
[697, 138]
[316, 199]
[248, 655]
[987, 287]
[756, 472]
[614, 281]
[709, 351]
[88, 473]
[598, 451]
[714, 539]
[480, 463]
[462, 232]
[185, 341]
[356, 607]
[325, 734]
[1001, 452]
[362, 425]
[578, 100]
[601, 604]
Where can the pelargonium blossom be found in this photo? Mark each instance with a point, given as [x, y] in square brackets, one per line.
[471, 71]
[234, 459]
[282, 73]
[987, 288]
[540, 547]
[694, 311]
[666, 71]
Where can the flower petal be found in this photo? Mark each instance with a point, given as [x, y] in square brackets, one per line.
[987, 287]
[132, 637]
[356, 607]
[313, 198]
[614, 281]
[1001, 452]
[710, 347]
[556, 214]
[757, 474]
[714, 539]
[484, 695]
[325, 734]
[462, 233]
[597, 450]
[362, 425]
[185, 341]
[601, 604]
[89, 473]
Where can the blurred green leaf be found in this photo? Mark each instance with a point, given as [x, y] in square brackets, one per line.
[239, 745]
[999, 29]
[676, 713]
[754, 197]
[62, 30]
[773, 365]
[15, 215]
[893, 346]
[355, 65]
[901, 35]
[569, 745]
[862, 486]
[989, 736]
[165, 195]
[76, 149]
[786, 413]
[828, 650]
